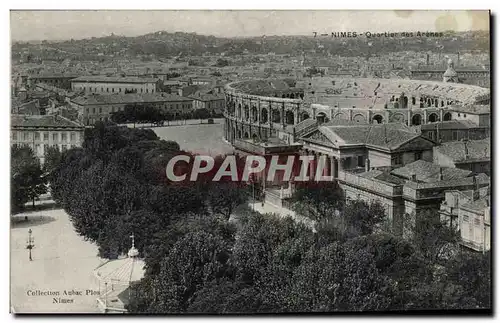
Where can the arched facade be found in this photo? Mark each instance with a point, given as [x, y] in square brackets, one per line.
[411, 102]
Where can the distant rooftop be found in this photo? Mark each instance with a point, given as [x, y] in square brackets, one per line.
[466, 150]
[428, 172]
[42, 121]
[451, 124]
[114, 79]
[98, 99]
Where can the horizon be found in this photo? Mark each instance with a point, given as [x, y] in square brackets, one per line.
[32, 26]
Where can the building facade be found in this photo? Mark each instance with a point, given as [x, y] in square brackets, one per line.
[110, 85]
[93, 108]
[42, 131]
[213, 103]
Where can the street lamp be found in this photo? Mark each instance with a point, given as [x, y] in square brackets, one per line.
[30, 244]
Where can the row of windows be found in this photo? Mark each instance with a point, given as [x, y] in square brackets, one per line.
[477, 222]
[46, 146]
[25, 135]
[116, 109]
[118, 90]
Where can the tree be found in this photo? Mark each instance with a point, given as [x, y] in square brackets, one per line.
[194, 260]
[224, 197]
[26, 176]
[362, 217]
[318, 200]
[431, 236]
[52, 159]
[201, 114]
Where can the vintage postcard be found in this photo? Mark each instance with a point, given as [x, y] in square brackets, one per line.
[248, 162]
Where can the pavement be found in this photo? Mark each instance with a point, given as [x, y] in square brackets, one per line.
[59, 279]
[268, 208]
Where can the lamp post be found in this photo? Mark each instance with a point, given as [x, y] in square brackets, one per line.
[30, 243]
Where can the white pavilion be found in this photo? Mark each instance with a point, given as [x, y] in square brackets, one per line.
[115, 279]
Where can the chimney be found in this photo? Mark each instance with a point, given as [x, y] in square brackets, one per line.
[441, 173]
[475, 187]
[367, 164]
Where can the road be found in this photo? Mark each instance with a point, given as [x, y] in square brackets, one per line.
[62, 262]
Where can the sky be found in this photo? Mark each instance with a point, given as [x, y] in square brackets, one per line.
[61, 25]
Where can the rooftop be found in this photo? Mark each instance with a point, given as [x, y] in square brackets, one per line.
[113, 79]
[98, 99]
[466, 150]
[472, 108]
[207, 97]
[390, 135]
[44, 121]
[452, 124]
[428, 172]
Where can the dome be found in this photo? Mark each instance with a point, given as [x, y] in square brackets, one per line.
[126, 271]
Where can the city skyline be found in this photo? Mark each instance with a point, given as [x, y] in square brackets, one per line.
[80, 24]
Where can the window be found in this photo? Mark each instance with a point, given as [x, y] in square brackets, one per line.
[100, 109]
[477, 222]
[93, 110]
[141, 90]
[14, 135]
[107, 89]
[146, 90]
[63, 136]
[113, 90]
[119, 90]
[37, 136]
[26, 136]
[45, 136]
[418, 155]
[454, 135]
[459, 114]
[55, 137]
[361, 161]
[396, 159]
[466, 218]
[73, 136]
[465, 115]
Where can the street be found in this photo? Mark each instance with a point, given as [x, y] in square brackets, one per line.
[59, 279]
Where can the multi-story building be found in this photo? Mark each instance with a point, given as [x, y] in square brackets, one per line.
[415, 189]
[42, 131]
[469, 213]
[455, 130]
[110, 85]
[95, 107]
[473, 155]
[212, 102]
[62, 81]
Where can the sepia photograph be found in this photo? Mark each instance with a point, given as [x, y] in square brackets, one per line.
[244, 162]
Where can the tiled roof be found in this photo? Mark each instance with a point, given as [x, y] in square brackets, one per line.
[472, 108]
[382, 176]
[110, 79]
[45, 121]
[52, 75]
[428, 172]
[97, 99]
[466, 150]
[207, 97]
[391, 135]
[452, 124]
[479, 204]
